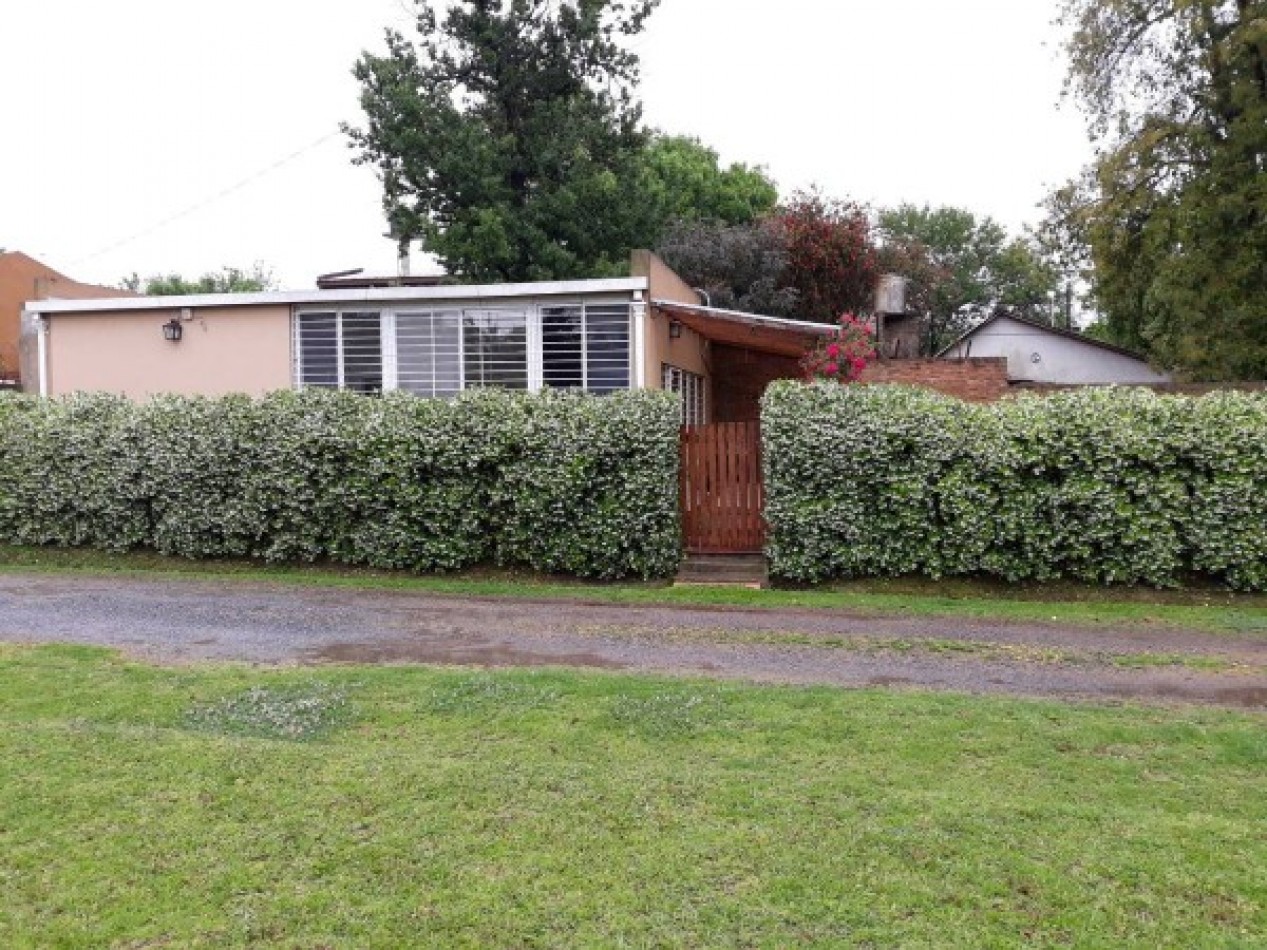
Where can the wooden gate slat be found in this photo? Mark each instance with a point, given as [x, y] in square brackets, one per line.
[721, 494]
[738, 502]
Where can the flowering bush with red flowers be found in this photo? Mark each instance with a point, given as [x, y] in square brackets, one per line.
[843, 355]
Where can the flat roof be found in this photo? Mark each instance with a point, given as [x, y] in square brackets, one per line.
[366, 295]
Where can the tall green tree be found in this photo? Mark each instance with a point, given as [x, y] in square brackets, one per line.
[1173, 211]
[227, 280]
[961, 269]
[683, 180]
[508, 138]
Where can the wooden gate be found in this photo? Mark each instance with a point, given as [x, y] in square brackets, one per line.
[722, 494]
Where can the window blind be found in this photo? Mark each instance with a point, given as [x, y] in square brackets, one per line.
[586, 346]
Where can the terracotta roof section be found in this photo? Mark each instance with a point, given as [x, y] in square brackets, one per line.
[40, 282]
[23, 278]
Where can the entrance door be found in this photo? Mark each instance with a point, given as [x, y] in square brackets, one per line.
[722, 495]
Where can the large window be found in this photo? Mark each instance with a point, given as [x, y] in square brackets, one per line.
[442, 351]
[495, 348]
[341, 351]
[586, 346]
[429, 352]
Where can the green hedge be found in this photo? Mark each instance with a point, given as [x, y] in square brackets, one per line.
[1102, 485]
[556, 482]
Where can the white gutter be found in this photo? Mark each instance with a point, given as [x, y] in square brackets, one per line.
[370, 295]
[41, 350]
[639, 341]
[751, 319]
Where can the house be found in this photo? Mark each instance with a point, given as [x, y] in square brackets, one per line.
[23, 278]
[645, 331]
[1037, 353]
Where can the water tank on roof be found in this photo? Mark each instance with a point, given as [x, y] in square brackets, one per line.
[890, 294]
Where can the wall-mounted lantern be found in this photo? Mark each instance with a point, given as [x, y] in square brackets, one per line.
[172, 330]
[675, 329]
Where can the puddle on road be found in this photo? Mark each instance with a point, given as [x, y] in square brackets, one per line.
[890, 681]
[1250, 698]
[1244, 697]
[409, 651]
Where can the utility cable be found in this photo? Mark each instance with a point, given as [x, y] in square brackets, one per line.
[231, 189]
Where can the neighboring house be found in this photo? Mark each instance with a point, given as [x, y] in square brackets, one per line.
[646, 331]
[1037, 353]
[22, 278]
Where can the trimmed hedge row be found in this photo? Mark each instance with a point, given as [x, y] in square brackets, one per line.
[557, 482]
[1104, 485]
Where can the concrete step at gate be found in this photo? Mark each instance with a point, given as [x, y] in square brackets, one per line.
[739, 570]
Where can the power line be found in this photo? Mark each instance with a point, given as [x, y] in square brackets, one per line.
[185, 212]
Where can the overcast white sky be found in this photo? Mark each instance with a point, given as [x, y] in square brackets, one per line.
[119, 116]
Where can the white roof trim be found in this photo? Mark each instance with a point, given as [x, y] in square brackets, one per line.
[1031, 325]
[372, 295]
[752, 319]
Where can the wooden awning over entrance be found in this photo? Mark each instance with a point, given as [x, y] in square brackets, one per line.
[748, 330]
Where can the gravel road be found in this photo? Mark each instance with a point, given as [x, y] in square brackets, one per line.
[179, 621]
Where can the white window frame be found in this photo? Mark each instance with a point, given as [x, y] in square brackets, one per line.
[534, 336]
[692, 390]
[297, 350]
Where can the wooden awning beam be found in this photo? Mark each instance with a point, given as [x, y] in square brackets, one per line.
[747, 330]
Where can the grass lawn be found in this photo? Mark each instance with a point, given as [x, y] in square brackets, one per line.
[1209, 609]
[404, 806]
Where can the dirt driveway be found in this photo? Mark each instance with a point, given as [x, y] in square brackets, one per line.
[175, 621]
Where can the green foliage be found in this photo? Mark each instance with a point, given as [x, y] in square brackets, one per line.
[1106, 486]
[508, 139]
[684, 182]
[557, 482]
[73, 472]
[228, 280]
[610, 476]
[1173, 212]
[739, 266]
[961, 269]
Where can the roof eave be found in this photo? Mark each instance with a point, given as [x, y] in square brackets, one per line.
[757, 319]
[376, 295]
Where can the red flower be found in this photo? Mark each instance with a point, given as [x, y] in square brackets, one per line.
[844, 357]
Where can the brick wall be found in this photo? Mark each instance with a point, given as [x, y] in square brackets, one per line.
[739, 379]
[978, 378]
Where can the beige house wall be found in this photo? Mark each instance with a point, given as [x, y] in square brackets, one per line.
[690, 351]
[244, 349]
